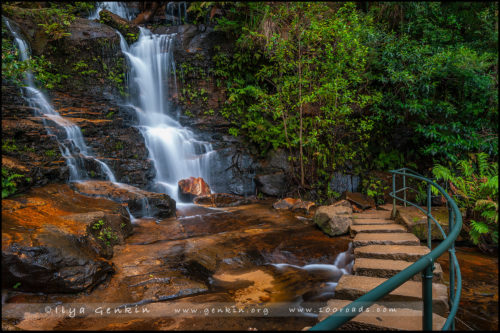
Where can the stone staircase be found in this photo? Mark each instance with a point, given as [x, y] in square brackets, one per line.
[383, 248]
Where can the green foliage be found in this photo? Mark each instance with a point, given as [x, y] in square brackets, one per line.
[474, 184]
[107, 235]
[14, 70]
[375, 188]
[438, 79]
[50, 153]
[9, 185]
[98, 225]
[294, 81]
[119, 145]
[9, 146]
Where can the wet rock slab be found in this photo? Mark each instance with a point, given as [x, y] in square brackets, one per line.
[221, 200]
[50, 239]
[138, 201]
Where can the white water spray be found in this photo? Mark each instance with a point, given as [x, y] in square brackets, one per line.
[118, 8]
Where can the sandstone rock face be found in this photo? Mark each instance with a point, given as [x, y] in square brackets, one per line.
[192, 187]
[139, 202]
[54, 240]
[333, 220]
[221, 200]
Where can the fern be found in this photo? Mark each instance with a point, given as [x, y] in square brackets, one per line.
[474, 184]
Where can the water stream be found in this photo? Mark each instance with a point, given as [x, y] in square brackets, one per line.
[71, 142]
[118, 8]
[174, 149]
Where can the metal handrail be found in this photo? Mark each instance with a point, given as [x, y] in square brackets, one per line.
[425, 264]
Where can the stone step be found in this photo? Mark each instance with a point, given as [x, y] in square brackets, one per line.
[354, 229]
[395, 252]
[376, 214]
[408, 295]
[381, 317]
[363, 239]
[384, 268]
[372, 221]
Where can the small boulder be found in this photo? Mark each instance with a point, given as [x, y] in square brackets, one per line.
[296, 205]
[333, 220]
[286, 203]
[303, 206]
[191, 188]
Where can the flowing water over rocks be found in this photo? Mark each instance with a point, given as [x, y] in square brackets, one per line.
[175, 151]
[242, 256]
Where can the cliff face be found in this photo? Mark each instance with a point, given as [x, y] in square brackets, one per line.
[92, 68]
[92, 94]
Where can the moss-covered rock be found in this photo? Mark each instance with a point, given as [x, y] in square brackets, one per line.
[129, 30]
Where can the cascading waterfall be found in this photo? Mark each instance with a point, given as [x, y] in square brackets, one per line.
[72, 145]
[175, 12]
[175, 151]
[117, 8]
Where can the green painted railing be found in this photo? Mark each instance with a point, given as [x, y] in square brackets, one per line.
[424, 265]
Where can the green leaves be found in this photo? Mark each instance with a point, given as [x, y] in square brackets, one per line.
[474, 183]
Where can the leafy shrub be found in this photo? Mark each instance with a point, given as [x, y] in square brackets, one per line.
[375, 188]
[9, 185]
[474, 184]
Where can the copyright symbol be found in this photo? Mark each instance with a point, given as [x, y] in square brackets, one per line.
[48, 309]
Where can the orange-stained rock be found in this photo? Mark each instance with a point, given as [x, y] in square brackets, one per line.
[294, 205]
[303, 206]
[193, 187]
[139, 202]
[286, 203]
[54, 240]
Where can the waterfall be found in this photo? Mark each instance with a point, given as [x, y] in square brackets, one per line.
[174, 12]
[174, 150]
[72, 145]
[118, 8]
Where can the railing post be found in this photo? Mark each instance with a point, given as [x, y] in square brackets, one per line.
[451, 251]
[404, 186]
[429, 214]
[393, 215]
[427, 297]
[427, 273]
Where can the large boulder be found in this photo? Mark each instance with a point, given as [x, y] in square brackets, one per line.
[55, 240]
[139, 202]
[333, 220]
[192, 187]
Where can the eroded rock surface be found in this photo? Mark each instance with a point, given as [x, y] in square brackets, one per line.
[54, 240]
[139, 201]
